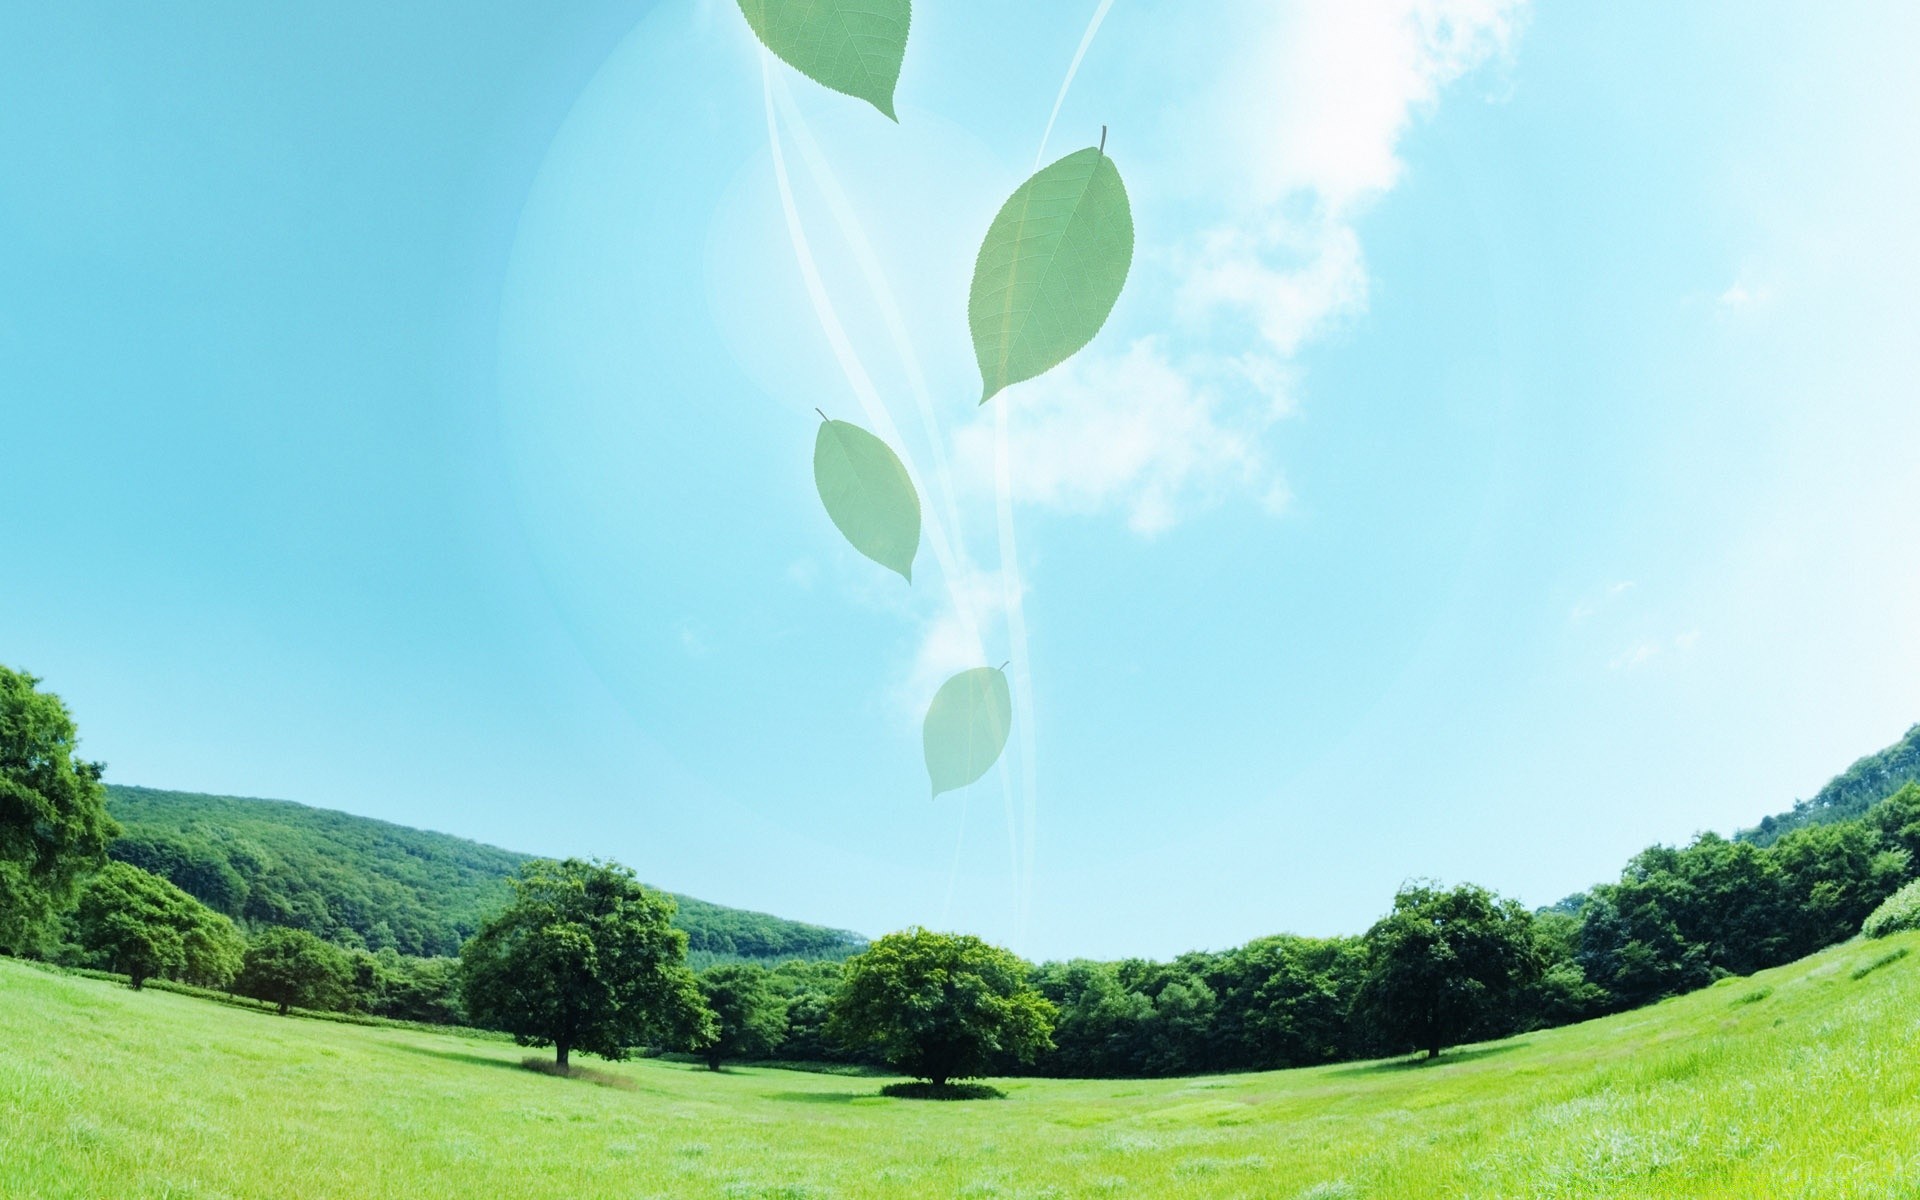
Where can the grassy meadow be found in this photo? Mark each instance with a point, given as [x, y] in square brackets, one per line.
[1801, 1081]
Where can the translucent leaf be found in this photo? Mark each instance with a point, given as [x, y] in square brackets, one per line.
[867, 493]
[851, 46]
[1052, 266]
[966, 727]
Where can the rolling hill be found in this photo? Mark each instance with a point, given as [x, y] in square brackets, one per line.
[1797, 1083]
[362, 881]
[1867, 782]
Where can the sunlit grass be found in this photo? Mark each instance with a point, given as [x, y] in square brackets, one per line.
[1801, 1082]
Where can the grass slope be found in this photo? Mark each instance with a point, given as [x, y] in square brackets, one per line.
[1798, 1082]
[277, 862]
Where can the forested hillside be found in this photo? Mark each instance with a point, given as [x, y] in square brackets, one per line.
[1860, 787]
[359, 881]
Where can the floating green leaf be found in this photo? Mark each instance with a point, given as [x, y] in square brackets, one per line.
[851, 46]
[966, 727]
[868, 494]
[1053, 264]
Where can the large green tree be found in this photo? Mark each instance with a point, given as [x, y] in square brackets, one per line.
[143, 926]
[291, 967]
[586, 959]
[1446, 965]
[941, 1006]
[749, 1014]
[54, 827]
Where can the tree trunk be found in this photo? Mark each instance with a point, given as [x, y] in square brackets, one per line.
[285, 1007]
[560, 1051]
[713, 1062]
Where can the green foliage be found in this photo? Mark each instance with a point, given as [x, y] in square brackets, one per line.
[867, 492]
[749, 1013]
[54, 826]
[808, 990]
[1050, 269]
[587, 959]
[1850, 793]
[1561, 994]
[361, 882]
[1896, 914]
[291, 967]
[1680, 917]
[966, 727]
[142, 926]
[852, 46]
[402, 988]
[1285, 1000]
[1275, 1002]
[1445, 966]
[941, 1006]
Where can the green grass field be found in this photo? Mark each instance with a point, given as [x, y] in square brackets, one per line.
[1798, 1082]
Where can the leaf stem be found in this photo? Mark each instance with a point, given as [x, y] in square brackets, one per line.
[823, 416]
[1103, 139]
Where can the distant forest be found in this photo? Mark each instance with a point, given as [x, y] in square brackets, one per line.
[1676, 919]
[1848, 794]
[364, 883]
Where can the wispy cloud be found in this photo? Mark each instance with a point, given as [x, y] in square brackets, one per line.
[1586, 609]
[946, 643]
[1744, 294]
[1130, 430]
[1299, 133]
[1646, 650]
[1639, 654]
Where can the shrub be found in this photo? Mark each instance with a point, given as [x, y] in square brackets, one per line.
[1890, 957]
[1897, 913]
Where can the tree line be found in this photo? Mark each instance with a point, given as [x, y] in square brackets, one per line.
[584, 959]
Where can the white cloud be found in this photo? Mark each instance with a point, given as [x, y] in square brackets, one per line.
[803, 573]
[693, 638]
[1297, 134]
[1743, 294]
[1637, 655]
[1131, 429]
[1644, 651]
[1585, 609]
[952, 641]
[1310, 112]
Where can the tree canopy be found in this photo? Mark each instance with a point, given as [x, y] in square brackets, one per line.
[749, 1014]
[587, 959]
[142, 926]
[1446, 965]
[292, 968]
[54, 826]
[942, 1006]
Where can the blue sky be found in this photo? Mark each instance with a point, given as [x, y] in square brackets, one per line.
[1500, 459]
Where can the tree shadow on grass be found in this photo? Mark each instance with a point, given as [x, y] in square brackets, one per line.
[546, 1066]
[1447, 1058]
[454, 1055]
[534, 1063]
[821, 1097]
[920, 1090]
